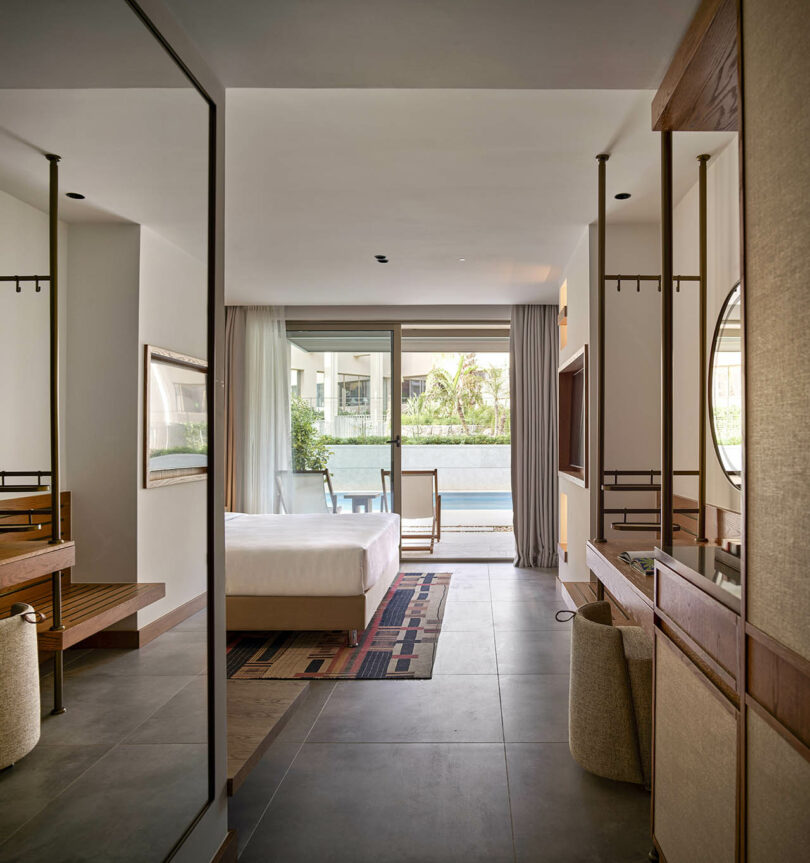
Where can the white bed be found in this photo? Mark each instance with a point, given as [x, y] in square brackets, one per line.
[314, 571]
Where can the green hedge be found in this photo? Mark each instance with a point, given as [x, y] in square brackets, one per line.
[178, 450]
[435, 440]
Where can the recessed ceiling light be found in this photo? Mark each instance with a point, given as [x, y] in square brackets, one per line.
[78, 196]
[461, 260]
[622, 196]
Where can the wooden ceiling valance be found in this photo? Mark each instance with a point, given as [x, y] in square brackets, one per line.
[700, 91]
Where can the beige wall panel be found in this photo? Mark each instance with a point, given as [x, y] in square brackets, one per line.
[777, 212]
[695, 765]
[778, 799]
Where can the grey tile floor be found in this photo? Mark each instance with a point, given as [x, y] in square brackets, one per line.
[458, 544]
[123, 772]
[472, 765]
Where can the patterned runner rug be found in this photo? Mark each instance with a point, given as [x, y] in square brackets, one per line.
[399, 643]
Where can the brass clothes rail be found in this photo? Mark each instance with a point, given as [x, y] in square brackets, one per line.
[55, 508]
[665, 281]
[638, 279]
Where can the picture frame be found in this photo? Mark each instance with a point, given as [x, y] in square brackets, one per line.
[175, 418]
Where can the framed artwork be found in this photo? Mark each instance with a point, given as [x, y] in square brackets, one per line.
[175, 434]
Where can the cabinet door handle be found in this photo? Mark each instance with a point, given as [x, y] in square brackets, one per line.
[395, 440]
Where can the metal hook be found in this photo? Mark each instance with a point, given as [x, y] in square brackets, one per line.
[659, 284]
[638, 285]
[38, 286]
[618, 283]
[17, 284]
[677, 284]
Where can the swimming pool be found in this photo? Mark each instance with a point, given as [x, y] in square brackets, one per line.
[456, 500]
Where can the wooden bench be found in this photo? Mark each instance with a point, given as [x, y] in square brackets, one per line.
[27, 561]
[86, 608]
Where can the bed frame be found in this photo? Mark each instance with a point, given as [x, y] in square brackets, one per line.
[351, 613]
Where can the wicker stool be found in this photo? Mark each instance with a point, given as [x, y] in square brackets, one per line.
[19, 684]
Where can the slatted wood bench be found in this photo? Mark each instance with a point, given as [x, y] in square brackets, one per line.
[26, 561]
[86, 608]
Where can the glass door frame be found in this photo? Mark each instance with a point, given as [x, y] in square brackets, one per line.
[395, 329]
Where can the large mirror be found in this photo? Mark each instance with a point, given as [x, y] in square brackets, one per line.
[125, 770]
[726, 388]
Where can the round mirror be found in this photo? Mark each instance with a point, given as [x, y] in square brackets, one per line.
[725, 388]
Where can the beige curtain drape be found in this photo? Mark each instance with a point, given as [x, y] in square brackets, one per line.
[533, 393]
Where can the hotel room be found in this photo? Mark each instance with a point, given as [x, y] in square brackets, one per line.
[404, 431]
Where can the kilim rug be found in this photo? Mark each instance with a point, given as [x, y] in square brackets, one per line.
[399, 643]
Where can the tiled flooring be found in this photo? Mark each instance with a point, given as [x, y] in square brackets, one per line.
[472, 765]
[123, 772]
[460, 544]
[482, 534]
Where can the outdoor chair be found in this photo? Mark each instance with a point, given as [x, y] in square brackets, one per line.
[308, 490]
[420, 500]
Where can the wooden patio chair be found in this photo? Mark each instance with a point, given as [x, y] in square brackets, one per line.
[420, 500]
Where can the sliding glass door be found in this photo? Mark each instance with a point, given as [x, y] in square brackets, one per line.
[344, 386]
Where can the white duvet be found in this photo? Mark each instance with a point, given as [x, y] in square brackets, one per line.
[308, 555]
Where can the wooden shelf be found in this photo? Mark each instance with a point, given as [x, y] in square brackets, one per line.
[24, 561]
[257, 711]
[86, 608]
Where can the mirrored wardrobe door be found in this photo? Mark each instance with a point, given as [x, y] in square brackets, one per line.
[104, 333]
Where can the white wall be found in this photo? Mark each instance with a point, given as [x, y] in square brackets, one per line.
[632, 378]
[171, 519]
[101, 416]
[632, 367]
[24, 334]
[723, 243]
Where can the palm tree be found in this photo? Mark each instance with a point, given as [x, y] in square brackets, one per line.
[496, 385]
[459, 391]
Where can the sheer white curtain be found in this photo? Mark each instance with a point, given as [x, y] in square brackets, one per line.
[265, 464]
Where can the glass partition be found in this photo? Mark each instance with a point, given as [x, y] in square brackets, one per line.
[343, 423]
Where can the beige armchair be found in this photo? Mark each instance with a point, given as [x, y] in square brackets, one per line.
[610, 697]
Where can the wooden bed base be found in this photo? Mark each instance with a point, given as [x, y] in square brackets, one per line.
[309, 612]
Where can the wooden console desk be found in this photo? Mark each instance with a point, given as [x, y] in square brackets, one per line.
[631, 590]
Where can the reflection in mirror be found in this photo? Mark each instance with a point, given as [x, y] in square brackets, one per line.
[725, 388]
[124, 770]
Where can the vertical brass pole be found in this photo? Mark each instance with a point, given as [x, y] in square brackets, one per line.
[53, 225]
[56, 509]
[704, 269]
[666, 339]
[600, 352]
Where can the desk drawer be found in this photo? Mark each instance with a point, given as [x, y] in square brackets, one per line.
[711, 627]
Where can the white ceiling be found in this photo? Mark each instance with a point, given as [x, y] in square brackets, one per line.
[79, 44]
[138, 155]
[363, 134]
[503, 44]
[319, 181]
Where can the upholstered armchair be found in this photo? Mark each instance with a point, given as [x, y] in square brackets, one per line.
[610, 701]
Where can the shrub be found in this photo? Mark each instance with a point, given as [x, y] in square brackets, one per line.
[435, 440]
[310, 448]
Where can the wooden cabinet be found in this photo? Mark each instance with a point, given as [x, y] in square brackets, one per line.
[696, 717]
[695, 757]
